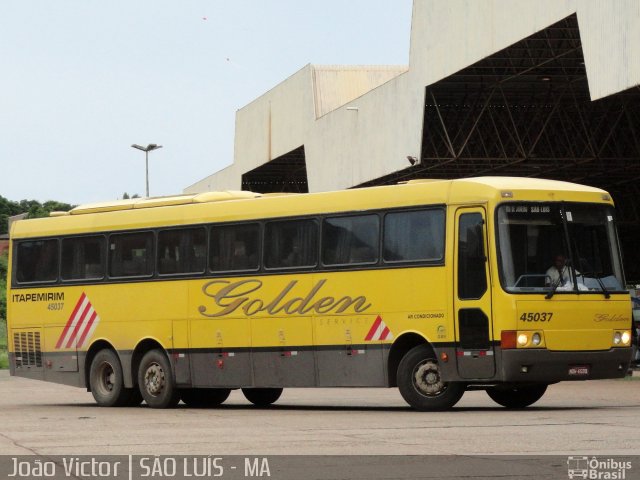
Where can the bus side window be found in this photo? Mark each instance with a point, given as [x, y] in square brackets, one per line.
[234, 247]
[83, 258]
[414, 236]
[291, 243]
[181, 251]
[350, 240]
[131, 255]
[472, 277]
[37, 261]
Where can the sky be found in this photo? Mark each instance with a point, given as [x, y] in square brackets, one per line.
[81, 81]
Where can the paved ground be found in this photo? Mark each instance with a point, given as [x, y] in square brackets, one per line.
[585, 418]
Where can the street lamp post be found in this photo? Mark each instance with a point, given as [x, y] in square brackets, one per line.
[146, 150]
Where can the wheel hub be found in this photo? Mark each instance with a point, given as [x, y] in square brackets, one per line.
[426, 379]
[154, 379]
[108, 377]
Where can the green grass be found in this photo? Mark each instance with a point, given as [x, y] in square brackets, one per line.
[4, 357]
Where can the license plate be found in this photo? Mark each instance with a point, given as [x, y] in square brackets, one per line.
[579, 370]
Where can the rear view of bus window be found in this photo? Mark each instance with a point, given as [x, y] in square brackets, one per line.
[182, 251]
[37, 261]
[350, 240]
[414, 236]
[83, 258]
[234, 248]
[131, 255]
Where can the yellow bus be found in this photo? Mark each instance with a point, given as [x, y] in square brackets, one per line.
[433, 286]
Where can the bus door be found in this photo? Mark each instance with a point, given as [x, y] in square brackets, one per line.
[472, 299]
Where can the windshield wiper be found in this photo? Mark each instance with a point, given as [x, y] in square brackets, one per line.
[554, 287]
[592, 273]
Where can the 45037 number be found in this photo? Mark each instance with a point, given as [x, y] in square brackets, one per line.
[536, 316]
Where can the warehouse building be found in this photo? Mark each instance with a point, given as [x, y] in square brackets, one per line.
[535, 88]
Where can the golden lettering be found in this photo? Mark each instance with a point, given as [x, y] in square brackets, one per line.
[230, 292]
[359, 304]
[273, 308]
[324, 305]
[253, 306]
[228, 297]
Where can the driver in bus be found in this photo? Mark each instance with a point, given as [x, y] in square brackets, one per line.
[560, 274]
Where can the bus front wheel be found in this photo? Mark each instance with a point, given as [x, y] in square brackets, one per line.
[155, 379]
[204, 397]
[518, 396]
[262, 397]
[421, 385]
[107, 381]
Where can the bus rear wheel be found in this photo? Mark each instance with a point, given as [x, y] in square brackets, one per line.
[262, 397]
[517, 396]
[107, 381]
[421, 385]
[204, 397]
[155, 379]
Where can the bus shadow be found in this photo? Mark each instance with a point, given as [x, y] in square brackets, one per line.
[354, 408]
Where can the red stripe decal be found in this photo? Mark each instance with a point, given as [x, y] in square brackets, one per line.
[87, 328]
[66, 327]
[373, 329]
[385, 333]
[82, 319]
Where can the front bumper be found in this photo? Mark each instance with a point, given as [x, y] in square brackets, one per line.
[539, 365]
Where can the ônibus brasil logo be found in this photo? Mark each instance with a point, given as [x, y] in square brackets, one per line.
[80, 326]
[597, 469]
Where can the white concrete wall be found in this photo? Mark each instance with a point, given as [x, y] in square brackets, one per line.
[270, 126]
[449, 35]
[371, 136]
[610, 34]
[335, 86]
[229, 178]
[349, 147]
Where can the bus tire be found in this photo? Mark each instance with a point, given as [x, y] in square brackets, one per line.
[420, 384]
[262, 397]
[517, 396]
[155, 378]
[204, 397]
[107, 381]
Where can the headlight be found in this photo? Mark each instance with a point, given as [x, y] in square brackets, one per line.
[523, 339]
[536, 339]
[622, 338]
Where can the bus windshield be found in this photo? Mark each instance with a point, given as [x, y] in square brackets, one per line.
[558, 248]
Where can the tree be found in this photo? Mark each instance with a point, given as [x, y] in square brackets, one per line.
[34, 208]
[7, 209]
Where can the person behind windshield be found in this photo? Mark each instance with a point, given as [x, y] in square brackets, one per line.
[559, 274]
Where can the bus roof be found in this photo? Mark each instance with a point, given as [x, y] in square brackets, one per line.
[232, 206]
